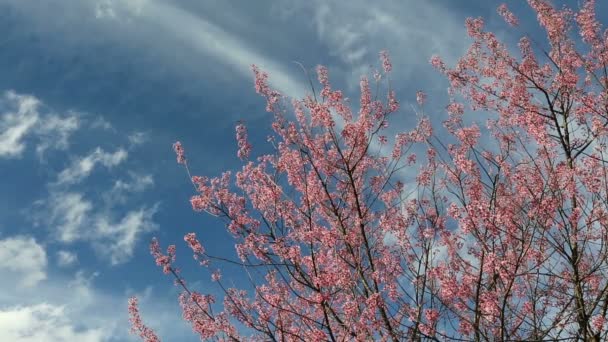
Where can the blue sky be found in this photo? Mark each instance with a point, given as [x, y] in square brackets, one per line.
[94, 92]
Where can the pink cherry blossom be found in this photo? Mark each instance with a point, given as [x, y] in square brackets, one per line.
[241, 138]
[179, 151]
[137, 325]
[490, 227]
[507, 15]
[420, 97]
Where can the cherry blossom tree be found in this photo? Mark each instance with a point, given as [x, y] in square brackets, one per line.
[501, 235]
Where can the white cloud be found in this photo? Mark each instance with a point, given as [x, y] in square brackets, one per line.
[101, 123]
[20, 117]
[117, 240]
[121, 188]
[137, 138]
[16, 122]
[43, 322]
[66, 258]
[23, 256]
[113, 9]
[74, 309]
[355, 31]
[82, 167]
[54, 132]
[82, 288]
[69, 213]
[104, 9]
[72, 219]
[138, 183]
[208, 38]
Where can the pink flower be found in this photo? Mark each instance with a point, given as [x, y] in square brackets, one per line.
[335, 232]
[216, 275]
[243, 143]
[386, 62]
[262, 88]
[161, 259]
[598, 322]
[437, 63]
[393, 104]
[507, 15]
[420, 97]
[137, 325]
[179, 150]
[193, 243]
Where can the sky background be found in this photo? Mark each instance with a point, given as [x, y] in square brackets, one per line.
[94, 92]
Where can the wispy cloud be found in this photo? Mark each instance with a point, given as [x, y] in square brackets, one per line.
[16, 122]
[82, 167]
[20, 117]
[104, 9]
[122, 188]
[116, 9]
[137, 138]
[101, 123]
[117, 239]
[54, 132]
[66, 258]
[69, 213]
[74, 218]
[355, 31]
[210, 39]
[25, 259]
